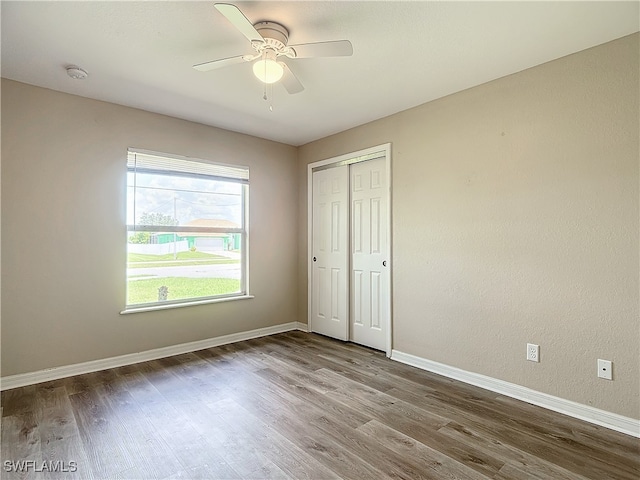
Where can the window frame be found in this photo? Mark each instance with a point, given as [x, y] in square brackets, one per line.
[243, 230]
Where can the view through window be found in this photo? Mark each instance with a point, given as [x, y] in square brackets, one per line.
[186, 229]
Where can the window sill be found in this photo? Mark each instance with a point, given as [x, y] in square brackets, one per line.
[151, 308]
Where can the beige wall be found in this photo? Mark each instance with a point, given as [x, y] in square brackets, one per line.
[63, 236]
[515, 220]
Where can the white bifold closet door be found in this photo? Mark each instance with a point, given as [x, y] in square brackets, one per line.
[330, 291]
[369, 265]
[350, 272]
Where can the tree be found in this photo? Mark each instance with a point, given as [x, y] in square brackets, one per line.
[157, 219]
[140, 237]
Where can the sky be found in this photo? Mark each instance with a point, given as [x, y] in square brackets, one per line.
[184, 198]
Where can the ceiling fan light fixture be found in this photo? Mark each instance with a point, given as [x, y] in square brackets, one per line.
[267, 69]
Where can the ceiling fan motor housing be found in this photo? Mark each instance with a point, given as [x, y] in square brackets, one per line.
[275, 35]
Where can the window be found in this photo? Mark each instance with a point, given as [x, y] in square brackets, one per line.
[186, 230]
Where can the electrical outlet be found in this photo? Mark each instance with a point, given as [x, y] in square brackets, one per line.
[605, 369]
[533, 352]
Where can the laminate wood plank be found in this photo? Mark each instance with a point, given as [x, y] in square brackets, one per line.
[380, 364]
[100, 433]
[519, 417]
[85, 382]
[343, 462]
[347, 370]
[500, 450]
[306, 397]
[149, 453]
[20, 436]
[301, 359]
[250, 447]
[18, 400]
[284, 453]
[231, 444]
[581, 432]
[296, 375]
[66, 459]
[288, 415]
[311, 357]
[367, 449]
[60, 442]
[246, 356]
[333, 344]
[379, 403]
[572, 460]
[172, 414]
[203, 472]
[174, 427]
[54, 414]
[249, 356]
[209, 429]
[407, 419]
[126, 369]
[180, 401]
[520, 459]
[399, 373]
[162, 378]
[511, 472]
[510, 423]
[437, 464]
[180, 391]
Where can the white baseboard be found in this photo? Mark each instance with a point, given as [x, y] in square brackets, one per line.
[302, 326]
[23, 379]
[593, 415]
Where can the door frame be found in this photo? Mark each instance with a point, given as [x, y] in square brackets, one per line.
[347, 159]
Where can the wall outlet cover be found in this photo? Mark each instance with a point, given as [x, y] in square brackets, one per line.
[533, 352]
[605, 369]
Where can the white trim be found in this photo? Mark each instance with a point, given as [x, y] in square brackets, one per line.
[23, 379]
[301, 326]
[589, 414]
[385, 149]
[191, 303]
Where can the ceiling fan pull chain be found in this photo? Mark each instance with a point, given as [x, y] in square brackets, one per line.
[271, 97]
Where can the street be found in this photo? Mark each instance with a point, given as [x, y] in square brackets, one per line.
[228, 270]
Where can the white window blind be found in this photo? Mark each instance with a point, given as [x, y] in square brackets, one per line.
[139, 161]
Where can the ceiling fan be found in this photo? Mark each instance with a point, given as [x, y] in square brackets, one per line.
[269, 40]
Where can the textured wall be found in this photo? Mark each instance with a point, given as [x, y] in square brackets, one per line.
[515, 220]
[63, 235]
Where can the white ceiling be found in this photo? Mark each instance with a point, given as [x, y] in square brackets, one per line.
[405, 53]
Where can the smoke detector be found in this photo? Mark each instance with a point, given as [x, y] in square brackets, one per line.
[76, 72]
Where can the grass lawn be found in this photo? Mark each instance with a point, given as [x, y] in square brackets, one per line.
[144, 260]
[180, 288]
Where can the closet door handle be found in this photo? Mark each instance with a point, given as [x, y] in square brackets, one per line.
[384, 263]
[314, 259]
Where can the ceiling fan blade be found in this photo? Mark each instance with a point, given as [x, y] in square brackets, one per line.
[238, 20]
[339, 48]
[223, 62]
[290, 81]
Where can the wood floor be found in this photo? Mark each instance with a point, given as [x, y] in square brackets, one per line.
[294, 405]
